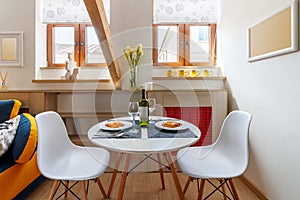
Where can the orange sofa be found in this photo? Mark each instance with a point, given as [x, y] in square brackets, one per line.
[19, 172]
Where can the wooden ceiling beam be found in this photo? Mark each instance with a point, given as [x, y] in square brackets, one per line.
[98, 17]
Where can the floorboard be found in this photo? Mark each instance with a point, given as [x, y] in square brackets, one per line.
[145, 186]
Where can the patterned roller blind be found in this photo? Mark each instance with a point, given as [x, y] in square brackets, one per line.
[68, 11]
[186, 11]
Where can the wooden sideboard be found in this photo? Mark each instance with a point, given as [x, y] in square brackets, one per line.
[34, 102]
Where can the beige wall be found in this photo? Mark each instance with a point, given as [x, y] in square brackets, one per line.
[269, 90]
[19, 16]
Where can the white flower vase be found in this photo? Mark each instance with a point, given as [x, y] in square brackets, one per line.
[133, 78]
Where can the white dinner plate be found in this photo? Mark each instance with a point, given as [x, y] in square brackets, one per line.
[182, 127]
[103, 126]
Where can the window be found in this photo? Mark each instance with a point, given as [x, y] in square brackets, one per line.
[78, 39]
[184, 44]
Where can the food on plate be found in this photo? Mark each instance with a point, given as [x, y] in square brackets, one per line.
[114, 124]
[171, 124]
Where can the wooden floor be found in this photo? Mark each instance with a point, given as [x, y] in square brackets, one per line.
[140, 186]
[144, 186]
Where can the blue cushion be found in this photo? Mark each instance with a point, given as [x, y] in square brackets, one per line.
[6, 161]
[25, 141]
[9, 109]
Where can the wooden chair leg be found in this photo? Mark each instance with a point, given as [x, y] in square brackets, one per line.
[161, 173]
[187, 183]
[200, 193]
[84, 195]
[235, 194]
[54, 186]
[66, 188]
[224, 191]
[101, 188]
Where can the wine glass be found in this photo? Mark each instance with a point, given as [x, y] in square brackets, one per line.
[152, 106]
[133, 110]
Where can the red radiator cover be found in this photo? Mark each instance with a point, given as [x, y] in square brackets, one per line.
[199, 116]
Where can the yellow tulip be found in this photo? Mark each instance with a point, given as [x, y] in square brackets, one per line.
[131, 51]
[140, 46]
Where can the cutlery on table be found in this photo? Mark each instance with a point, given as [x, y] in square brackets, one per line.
[114, 134]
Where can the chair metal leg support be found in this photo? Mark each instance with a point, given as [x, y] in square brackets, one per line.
[68, 189]
[217, 188]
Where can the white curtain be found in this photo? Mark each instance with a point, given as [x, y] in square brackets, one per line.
[68, 11]
[186, 11]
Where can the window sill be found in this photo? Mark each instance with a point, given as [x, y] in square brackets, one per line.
[71, 81]
[190, 78]
[79, 67]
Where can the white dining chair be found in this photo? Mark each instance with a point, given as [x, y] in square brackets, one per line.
[223, 160]
[59, 159]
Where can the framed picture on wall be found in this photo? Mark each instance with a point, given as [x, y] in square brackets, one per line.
[11, 49]
[276, 35]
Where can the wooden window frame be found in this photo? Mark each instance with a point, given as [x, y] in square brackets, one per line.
[50, 56]
[183, 45]
[79, 43]
[82, 59]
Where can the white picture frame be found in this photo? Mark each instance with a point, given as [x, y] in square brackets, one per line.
[11, 49]
[275, 35]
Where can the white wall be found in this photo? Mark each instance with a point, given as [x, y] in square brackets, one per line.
[20, 16]
[269, 90]
[131, 24]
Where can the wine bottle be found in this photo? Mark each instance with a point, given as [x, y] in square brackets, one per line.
[144, 110]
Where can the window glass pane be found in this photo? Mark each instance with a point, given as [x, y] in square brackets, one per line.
[167, 43]
[199, 43]
[93, 49]
[63, 43]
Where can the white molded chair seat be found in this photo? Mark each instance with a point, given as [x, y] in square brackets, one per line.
[79, 163]
[61, 160]
[225, 159]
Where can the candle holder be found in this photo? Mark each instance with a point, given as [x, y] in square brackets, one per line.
[3, 81]
[3, 85]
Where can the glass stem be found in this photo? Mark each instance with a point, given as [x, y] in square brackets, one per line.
[133, 121]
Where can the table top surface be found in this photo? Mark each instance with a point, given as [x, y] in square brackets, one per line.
[144, 144]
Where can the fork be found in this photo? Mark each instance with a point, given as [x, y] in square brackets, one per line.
[116, 134]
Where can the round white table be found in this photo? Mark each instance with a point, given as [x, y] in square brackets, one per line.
[143, 145]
